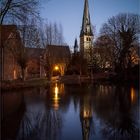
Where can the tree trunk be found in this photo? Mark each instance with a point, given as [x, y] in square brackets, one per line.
[5, 10]
[23, 74]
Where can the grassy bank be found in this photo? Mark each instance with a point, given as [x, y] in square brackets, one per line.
[17, 84]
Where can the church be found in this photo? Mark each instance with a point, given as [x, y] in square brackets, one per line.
[58, 56]
[82, 59]
[86, 35]
[34, 66]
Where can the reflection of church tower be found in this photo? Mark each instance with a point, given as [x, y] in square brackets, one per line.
[85, 118]
[86, 35]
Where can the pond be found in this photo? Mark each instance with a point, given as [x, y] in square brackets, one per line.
[72, 112]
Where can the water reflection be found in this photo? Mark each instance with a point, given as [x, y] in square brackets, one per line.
[86, 116]
[56, 98]
[39, 122]
[100, 112]
[12, 108]
[115, 112]
[57, 90]
[133, 95]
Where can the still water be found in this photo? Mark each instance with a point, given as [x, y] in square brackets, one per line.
[72, 112]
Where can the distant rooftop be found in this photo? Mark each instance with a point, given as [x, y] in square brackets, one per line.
[6, 31]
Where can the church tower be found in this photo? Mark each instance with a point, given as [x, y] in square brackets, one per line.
[86, 35]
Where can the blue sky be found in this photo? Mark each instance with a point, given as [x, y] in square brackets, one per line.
[69, 13]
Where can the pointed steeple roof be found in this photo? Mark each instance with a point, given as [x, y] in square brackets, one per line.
[86, 25]
[75, 46]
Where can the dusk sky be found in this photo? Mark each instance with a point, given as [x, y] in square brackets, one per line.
[69, 14]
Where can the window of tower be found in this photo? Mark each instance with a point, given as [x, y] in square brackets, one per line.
[88, 39]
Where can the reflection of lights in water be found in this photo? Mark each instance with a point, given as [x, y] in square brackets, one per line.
[86, 113]
[56, 98]
[133, 95]
[56, 90]
[15, 76]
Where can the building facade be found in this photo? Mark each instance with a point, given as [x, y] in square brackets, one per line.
[10, 40]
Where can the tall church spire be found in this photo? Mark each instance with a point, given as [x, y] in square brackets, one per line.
[86, 36]
[86, 25]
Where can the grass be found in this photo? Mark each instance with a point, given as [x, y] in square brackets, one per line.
[17, 84]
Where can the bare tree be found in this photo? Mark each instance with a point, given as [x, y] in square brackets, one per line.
[124, 31]
[24, 37]
[43, 35]
[18, 10]
[60, 35]
[30, 37]
[104, 46]
[53, 34]
[33, 37]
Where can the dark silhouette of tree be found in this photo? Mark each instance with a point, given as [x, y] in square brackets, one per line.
[25, 36]
[127, 37]
[75, 63]
[18, 10]
[39, 121]
[78, 65]
[115, 111]
[123, 30]
[52, 34]
[104, 46]
[122, 124]
[47, 66]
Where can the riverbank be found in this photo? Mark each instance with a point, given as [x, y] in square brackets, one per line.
[76, 79]
[18, 84]
[39, 82]
[67, 79]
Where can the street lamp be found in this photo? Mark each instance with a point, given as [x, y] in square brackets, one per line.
[56, 68]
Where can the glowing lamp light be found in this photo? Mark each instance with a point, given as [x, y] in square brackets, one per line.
[56, 67]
